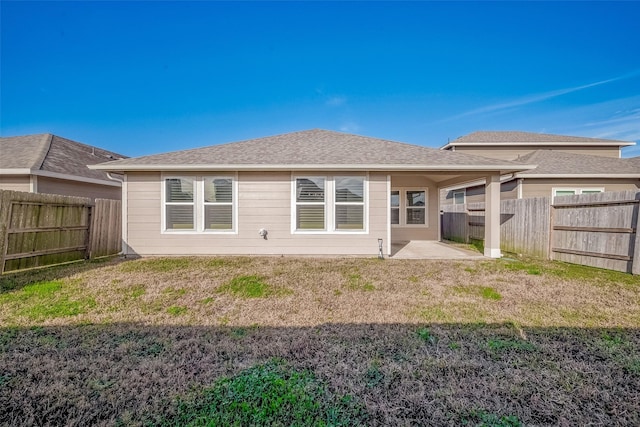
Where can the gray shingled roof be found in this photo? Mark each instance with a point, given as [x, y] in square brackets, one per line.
[51, 153]
[551, 162]
[488, 137]
[312, 148]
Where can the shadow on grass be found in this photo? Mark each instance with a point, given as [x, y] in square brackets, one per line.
[401, 374]
[12, 281]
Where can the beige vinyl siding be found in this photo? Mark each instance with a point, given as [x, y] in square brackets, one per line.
[475, 194]
[509, 190]
[419, 232]
[263, 201]
[15, 183]
[76, 188]
[512, 152]
[543, 187]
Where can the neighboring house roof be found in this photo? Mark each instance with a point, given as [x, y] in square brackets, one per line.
[529, 138]
[51, 155]
[313, 149]
[560, 164]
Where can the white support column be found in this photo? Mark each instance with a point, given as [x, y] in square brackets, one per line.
[492, 217]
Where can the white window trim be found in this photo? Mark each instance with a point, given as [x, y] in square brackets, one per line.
[295, 203]
[363, 203]
[464, 196]
[403, 207]
[164, 204]
[198, 204]
[399, 207]
[329, 204]
[234, 204]
[578, 190]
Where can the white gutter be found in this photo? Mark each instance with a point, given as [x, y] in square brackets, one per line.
[503, 178]
[536, 144]
[336, 167]
[57, 175]
[578, 175]
[113, 178]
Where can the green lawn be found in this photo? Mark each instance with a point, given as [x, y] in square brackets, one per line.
[286, 341]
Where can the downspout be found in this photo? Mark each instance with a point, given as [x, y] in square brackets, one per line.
[123, 214]
[520, 180]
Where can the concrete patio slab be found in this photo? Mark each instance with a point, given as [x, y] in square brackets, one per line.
[423, 249]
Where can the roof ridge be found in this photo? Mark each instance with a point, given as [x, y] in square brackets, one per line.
[47, 139]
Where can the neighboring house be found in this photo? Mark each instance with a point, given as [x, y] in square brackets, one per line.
[313, 192]
[50, 164]
[565, 165]
[510, 145]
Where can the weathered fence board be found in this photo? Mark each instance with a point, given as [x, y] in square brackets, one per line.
[106, 228]
[600, 230]
[44, 229]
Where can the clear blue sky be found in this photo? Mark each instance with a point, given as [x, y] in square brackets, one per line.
[148, 77]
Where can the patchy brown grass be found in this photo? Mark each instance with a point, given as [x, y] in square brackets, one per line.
[415, 342]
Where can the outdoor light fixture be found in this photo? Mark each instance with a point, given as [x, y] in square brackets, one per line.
[380, 255]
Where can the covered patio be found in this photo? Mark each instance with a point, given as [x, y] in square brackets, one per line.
[430, 249]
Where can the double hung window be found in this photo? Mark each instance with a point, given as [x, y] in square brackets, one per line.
[408, 207]
[330, 204]
[310, 203]
[458, 197]
[349, 203]
[199, 204]
[179, 204]
[218, 203]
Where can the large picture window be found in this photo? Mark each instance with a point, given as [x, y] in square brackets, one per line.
[179, 204]
[408, 207]
[199, 204]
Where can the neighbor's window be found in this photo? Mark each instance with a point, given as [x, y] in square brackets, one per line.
[218, 203]
[349, 203]
[179, 203]
[395, 207]
[574, 191]
[310, 203]
[458, 197]
[416, 205]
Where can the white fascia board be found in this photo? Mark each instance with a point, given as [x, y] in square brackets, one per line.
[339, 167]
[553, 144]
[578, 175]
[483, 181]
[48, 174]
[15, 171]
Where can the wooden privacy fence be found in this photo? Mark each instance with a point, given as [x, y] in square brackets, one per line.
[44, 229]
[524, 225]
[600, 230]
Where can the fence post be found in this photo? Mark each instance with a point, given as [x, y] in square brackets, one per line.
[5, 209]
[635, 261]
[88, 242]
[552, 211]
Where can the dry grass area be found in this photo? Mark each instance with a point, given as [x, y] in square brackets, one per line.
[508, 342]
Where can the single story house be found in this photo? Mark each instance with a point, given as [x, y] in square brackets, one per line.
[313, 192]
[49, 164]
[565, 165]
